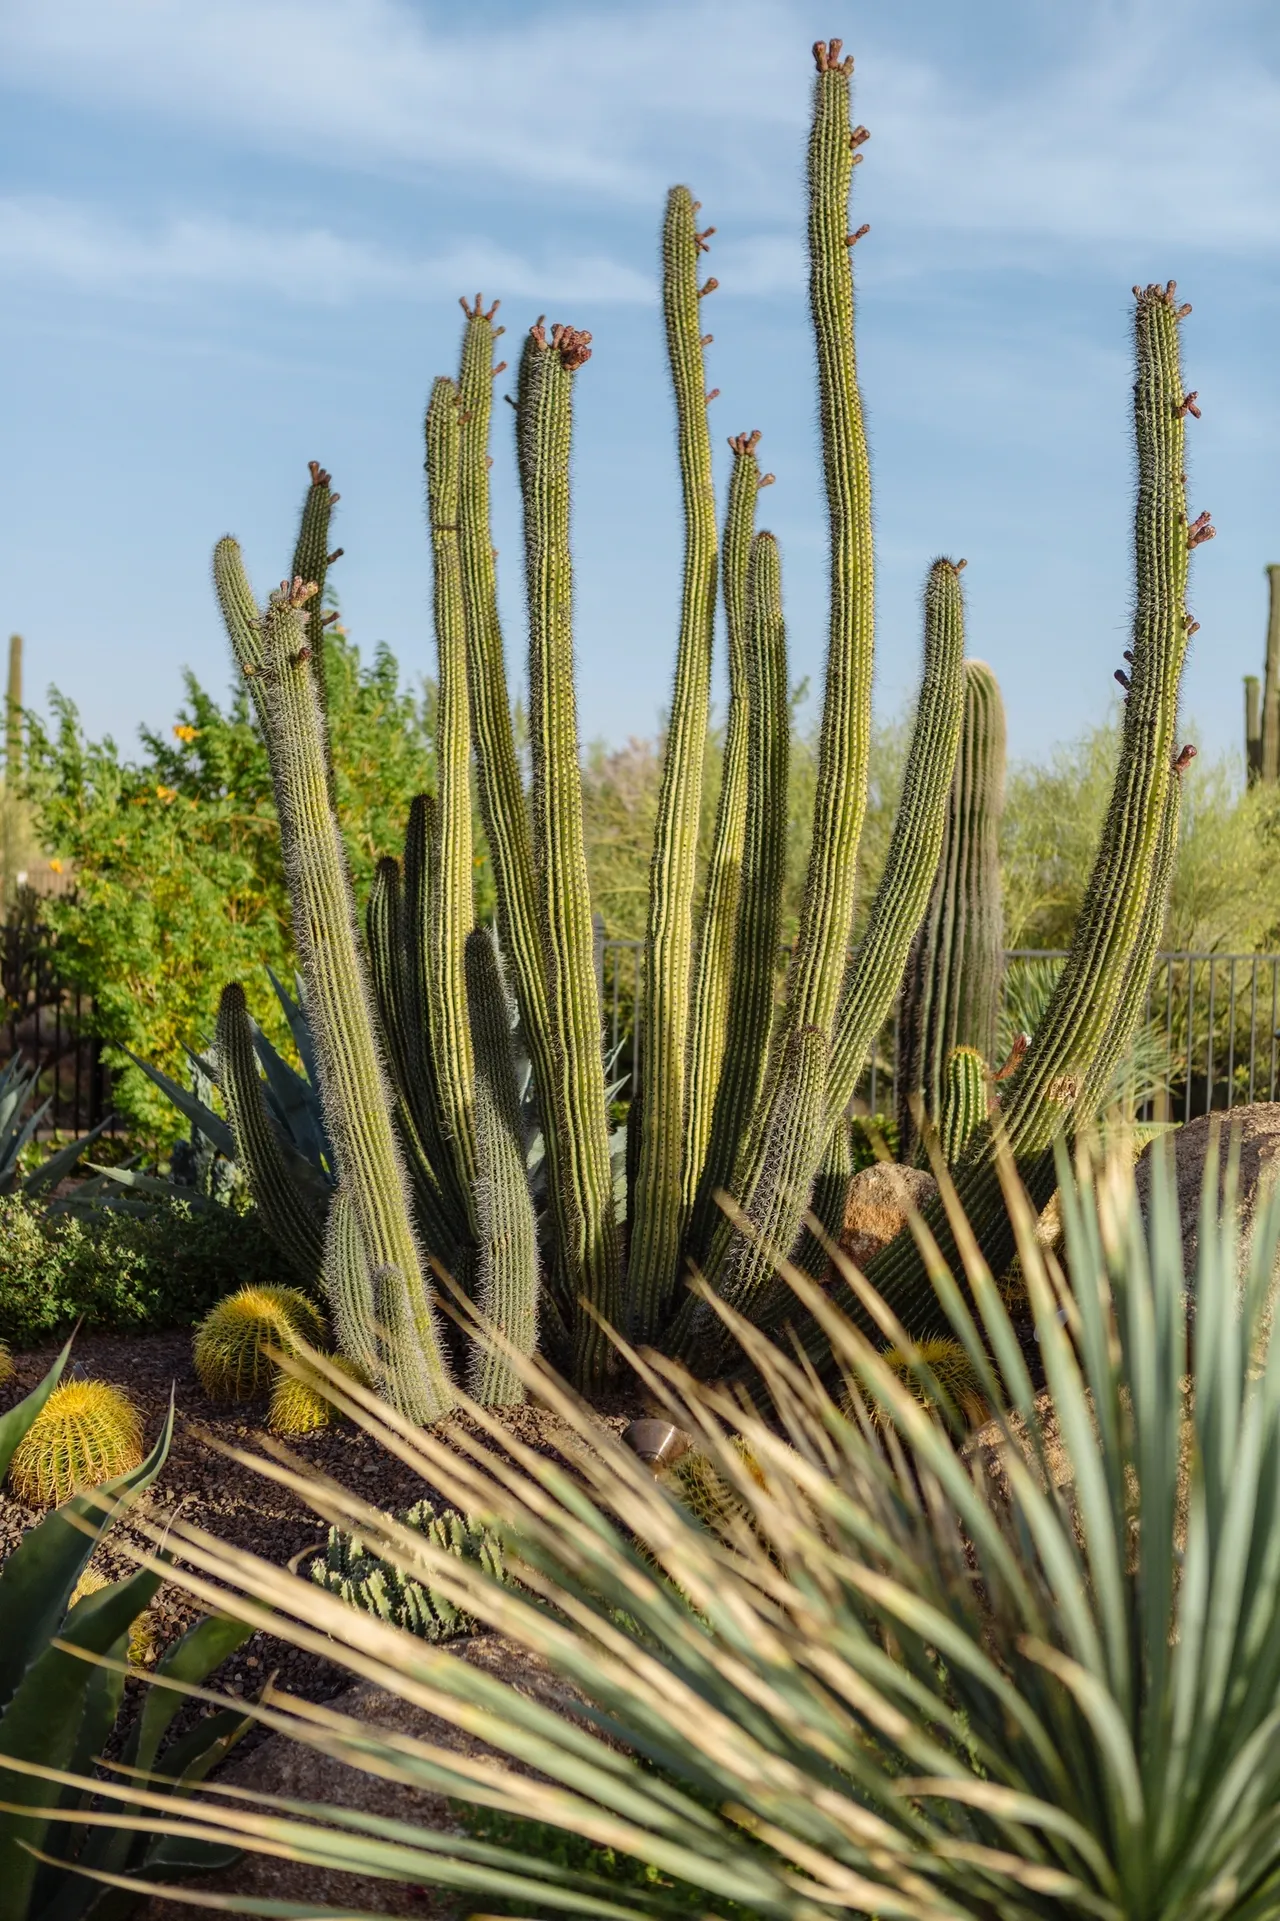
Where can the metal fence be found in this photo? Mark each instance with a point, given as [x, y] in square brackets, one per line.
[1211, 1037]
[51, 1026]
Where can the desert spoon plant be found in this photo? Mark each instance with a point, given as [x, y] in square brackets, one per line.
[740, 1087]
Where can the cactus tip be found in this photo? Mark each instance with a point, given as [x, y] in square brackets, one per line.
[961, 565]
[337, 554]
[700, 239]
[1189, 406]
[1123, 678]
[767, 480]
[708, 286]
[319, 478]
[826, 55]
[852, 239]
[713, 395]
[1184, 759]
[859, 136]
[572, 344]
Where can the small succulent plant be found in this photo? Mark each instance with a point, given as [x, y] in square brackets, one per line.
[233, 1342]
[350, 1568]
[86, 1433]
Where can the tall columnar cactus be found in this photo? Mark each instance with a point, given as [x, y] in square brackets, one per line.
[506, 1289]
[739, 1089]
[590, 1251]
[951, 993]
[275, 655]
[1262, 704]
[963, 1105]
[660, 1190]
[1095, 1006]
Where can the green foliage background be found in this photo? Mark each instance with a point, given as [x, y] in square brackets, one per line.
[179, 884]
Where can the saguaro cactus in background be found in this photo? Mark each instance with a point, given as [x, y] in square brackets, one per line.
[951, 993]
[1262, 704]
[740, 1087]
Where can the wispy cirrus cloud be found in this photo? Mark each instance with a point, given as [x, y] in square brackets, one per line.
[1150, 117]
[47, 239]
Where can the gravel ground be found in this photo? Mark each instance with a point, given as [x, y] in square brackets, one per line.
[228, 1499]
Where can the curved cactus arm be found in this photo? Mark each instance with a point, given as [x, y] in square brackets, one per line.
[311, 561]
[590, 1253]
[1089, 1020]
[452, 910]
[353, 1085]
[951, 990]
[826, 916]
[759, 928]
[507, 1263]
[875, 968]
[292, 1208]
[441, 1210]
[713, 972]
[238, 606]
[658, 1226]
[503, 807]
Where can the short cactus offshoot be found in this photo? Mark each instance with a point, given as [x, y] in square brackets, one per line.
[740, 1088]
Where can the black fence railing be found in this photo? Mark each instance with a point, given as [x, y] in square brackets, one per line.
[1210, 1040]
[51, 1026]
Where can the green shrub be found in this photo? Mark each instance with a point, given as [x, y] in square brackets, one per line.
[179, 884]
[122, 1271]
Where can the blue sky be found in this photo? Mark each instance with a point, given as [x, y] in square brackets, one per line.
[233, 238]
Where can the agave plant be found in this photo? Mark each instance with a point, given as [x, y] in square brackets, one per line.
[1031, 1674]
[19, 1124]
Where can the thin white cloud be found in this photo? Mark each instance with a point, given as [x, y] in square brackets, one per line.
[1146, 120]
[50, 239]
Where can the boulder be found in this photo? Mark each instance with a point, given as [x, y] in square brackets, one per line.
[875, 1210]
[1257, 1128]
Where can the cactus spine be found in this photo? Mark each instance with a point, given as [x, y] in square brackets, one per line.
[658, 1225]
[1262, 706]
[357, 1099]
[951, 993]
[86, 1433]
[507, 1264]
[590, 1253]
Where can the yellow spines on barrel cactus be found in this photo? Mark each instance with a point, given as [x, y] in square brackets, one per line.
[299, 1402]
[942, 1377]
[87, 1432]
[6, 1363]
[142, 1630]
[232, 1341]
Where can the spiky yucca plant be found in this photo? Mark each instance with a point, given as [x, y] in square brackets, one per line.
[86, 1433]
[1034, 1674]
[233, 1343]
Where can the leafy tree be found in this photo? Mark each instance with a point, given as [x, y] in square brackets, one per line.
[179, 886]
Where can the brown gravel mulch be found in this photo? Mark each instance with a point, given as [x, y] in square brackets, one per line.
[230, 1500]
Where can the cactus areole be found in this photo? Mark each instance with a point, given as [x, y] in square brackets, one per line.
[462, 1072]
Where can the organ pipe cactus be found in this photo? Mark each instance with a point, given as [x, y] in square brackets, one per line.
[951, 993]
[1262, 702]
[1097, 1000]
[740, 1087]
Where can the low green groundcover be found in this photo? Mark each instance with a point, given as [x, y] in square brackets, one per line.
[122, 1272]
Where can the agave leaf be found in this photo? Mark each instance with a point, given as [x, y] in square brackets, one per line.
[196, 1111]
